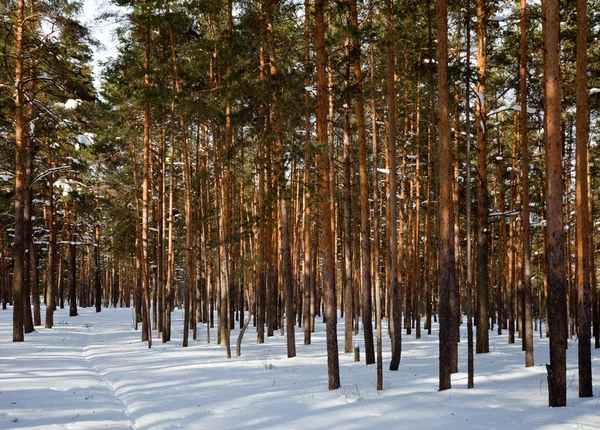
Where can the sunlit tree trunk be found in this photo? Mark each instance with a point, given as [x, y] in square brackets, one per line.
[365, 228]
[557, 312]
[146, 326]
[170, 250]
[20, 160]
[326, 233]
[482, 268]
[391, 223]
[446, 258]
[376, 240]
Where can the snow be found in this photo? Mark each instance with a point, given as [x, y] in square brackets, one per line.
[529, 109]
[594, 91]
[66, 187]
[481, 98]
[497, 111]
[86, 139]
[71, 104]
[92, 371]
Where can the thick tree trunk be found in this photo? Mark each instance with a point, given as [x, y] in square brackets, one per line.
[555, 271]
[482, 193]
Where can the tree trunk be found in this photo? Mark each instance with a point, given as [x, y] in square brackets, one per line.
[557, 312]
[146, 327]
[19, 248]
[482, 194]
[376, 240]
[326, 233]
[391, 223]
[446, 236]
[582, 212]
[527, 318]
[365, 229]
[71, 225]
[51, 259]
[284, 233]
[347, 224]
[469, 256]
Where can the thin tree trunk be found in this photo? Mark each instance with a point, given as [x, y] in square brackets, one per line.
[170, 250]
[327, 235]
[469, 284]
[97, 284]
[582, 212]
[71, 225]
[284, 231]
[527, 319]
[376, 240]
[365, 244]
[51, 259]
[187, 176]
[348, 287]
[35, 284]
[391, 223]
[19, 248]
[146, 326]
[593, 281]
[306, 222]
[446, 259]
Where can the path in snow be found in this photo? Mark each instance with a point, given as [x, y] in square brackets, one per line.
[49, 382]
[92, 372]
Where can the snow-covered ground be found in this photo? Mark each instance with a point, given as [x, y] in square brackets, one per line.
[92, 371]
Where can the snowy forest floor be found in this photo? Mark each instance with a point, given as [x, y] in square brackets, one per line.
[92, 371]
